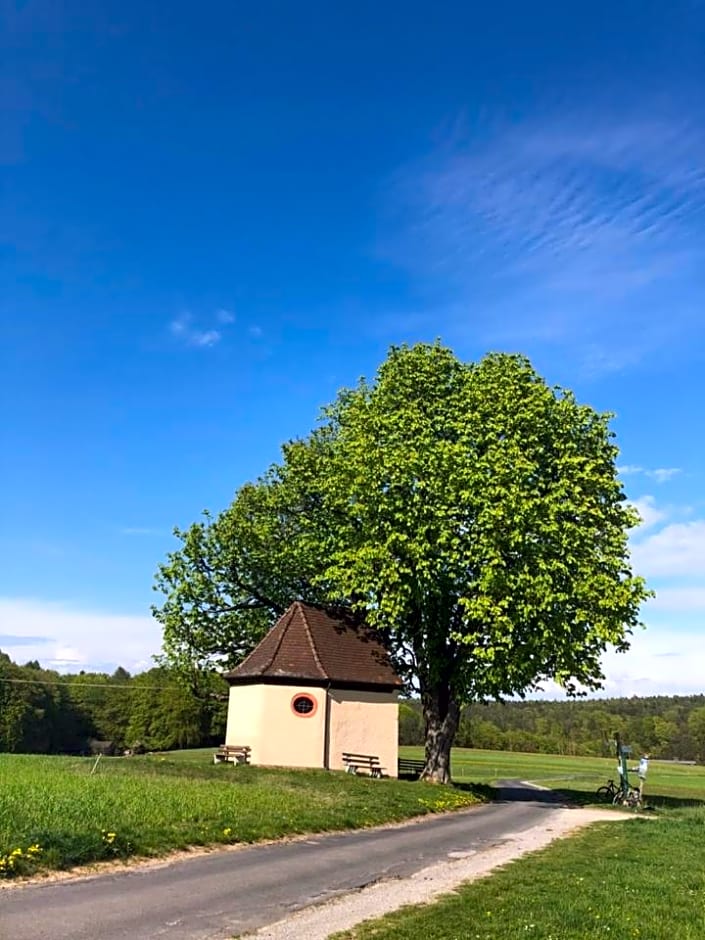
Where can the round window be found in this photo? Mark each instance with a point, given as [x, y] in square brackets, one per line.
[303, 705]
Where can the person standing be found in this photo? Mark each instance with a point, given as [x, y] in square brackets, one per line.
[642, 771]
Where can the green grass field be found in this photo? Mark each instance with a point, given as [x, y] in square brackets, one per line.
[579, 777]
[55, 814]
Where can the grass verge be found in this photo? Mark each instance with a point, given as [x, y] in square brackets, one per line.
[55, 814]
[640, 881]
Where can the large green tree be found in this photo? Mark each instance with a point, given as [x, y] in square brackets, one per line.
[470, 512]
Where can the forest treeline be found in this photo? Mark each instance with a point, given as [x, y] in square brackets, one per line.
[42, 711]
[668, 727]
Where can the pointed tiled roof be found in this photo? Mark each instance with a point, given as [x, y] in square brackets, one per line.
[315, 644]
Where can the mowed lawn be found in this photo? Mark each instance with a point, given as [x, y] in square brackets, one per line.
[55, 813]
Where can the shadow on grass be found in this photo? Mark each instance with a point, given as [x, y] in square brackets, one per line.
[516, 791]
[483, 791]
[565, 796]
[657, 801]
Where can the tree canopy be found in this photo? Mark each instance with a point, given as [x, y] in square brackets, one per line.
[42, 711]
[469, 511]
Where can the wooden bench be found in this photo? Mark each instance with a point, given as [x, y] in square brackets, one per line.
[356, 762]
[232, 753]
[408, 767]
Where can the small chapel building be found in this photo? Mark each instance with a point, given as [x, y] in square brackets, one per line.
[316, 686]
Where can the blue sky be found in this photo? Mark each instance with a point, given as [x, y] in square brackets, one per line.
[213, 218]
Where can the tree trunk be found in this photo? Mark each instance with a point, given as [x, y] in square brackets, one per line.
[442, 715]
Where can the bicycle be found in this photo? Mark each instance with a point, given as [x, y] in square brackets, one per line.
[619, 797]
[609, 791]
[630, 797]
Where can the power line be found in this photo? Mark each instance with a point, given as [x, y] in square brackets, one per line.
[91, 685]
[182, 690]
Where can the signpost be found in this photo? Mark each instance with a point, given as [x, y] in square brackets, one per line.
[628, 794]
[625, 794]
[623, 751]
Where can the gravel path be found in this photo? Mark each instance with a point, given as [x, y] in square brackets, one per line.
[383, 897]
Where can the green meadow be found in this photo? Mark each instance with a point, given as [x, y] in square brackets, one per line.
[667, 784]
[55, 813]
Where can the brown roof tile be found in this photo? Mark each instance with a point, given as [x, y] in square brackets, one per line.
[313, 643]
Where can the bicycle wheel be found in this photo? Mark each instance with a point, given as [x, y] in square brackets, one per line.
[606, 792]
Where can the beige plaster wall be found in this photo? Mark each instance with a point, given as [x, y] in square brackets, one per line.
[364, 723]
[262, 717]
[245, 711]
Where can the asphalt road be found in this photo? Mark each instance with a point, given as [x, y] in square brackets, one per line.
[228, 893]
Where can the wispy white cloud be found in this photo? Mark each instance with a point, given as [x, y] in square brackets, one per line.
[667, 657]
[574, 214]
[191, 336]
[62, 637]
[582, 187]
[676, 550]
[181, 325]
[660, 474]
[67, 638]
[670, 554]
[184, 330]
[8, 640]
[206, 338]
[679, 600]
[650, 513]
[256, 332]
[661, 661]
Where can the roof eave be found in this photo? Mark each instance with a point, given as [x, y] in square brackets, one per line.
[347, 684]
